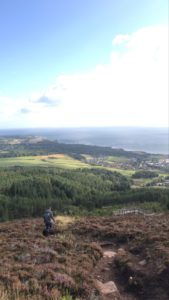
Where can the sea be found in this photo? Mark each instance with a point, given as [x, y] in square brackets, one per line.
[151, 140]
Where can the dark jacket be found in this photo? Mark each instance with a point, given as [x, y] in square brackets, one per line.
[48, 216]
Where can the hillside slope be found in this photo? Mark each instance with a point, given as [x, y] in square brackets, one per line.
[36, 267]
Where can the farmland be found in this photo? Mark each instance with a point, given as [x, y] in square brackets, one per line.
[86, 184]
[54, 160]
[79, 179]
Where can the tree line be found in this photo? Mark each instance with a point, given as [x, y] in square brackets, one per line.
[46, 147]
[27, 192]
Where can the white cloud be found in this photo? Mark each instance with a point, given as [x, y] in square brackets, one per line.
[131, 90]
[120, 38]
[13, 112]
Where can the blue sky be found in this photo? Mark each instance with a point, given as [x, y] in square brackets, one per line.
[62, 61]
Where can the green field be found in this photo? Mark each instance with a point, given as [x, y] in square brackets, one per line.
[53, 161]
[128, 172]
[117, 159]
[68, 162]
[60, 161]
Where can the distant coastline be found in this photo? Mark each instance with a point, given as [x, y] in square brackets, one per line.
[151, 140]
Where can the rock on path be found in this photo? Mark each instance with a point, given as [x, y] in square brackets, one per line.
[103, 275]
[108, 290]
[109, 254]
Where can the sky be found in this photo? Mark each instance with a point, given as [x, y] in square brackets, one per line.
[75, 63]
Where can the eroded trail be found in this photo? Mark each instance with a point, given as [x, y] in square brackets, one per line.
[106, 281]
[97, 258]
[140, 269]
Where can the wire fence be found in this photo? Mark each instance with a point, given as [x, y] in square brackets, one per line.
[136, 211]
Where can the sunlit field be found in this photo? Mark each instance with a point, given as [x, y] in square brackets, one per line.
[62, 161]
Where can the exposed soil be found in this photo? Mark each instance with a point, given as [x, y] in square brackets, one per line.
[141, 266]
[79, 255]
[105, 271]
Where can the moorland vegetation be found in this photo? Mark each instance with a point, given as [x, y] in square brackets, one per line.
[62, 266]
[89, 183]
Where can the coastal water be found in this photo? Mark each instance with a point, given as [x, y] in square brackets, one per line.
[152, 140]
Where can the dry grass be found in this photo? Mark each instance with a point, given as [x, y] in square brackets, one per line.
[3, 294]
[144, 253]
[9, 295]
[64, 221]
[34, 267]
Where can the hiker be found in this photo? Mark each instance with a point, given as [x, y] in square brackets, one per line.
[48, 218]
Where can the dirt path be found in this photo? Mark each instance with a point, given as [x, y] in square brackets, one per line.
[106, 280]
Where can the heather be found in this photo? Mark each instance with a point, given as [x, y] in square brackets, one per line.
[33, 266]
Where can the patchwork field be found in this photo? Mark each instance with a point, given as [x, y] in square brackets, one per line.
[68, 162]
[53, 160]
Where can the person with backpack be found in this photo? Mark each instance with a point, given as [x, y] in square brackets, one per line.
[48, 219]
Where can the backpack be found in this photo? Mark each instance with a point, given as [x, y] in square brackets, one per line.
[47, 232]
[47, 216]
